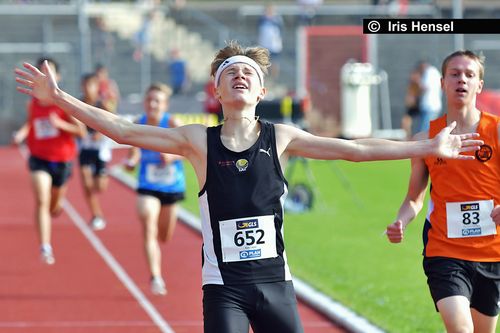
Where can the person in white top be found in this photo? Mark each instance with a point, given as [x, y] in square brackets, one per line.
[431, 95]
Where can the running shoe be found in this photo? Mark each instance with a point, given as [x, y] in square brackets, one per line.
[98, 223]
[158, 286]
[47, 256]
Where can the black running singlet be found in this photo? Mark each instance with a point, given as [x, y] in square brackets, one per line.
[241, 208]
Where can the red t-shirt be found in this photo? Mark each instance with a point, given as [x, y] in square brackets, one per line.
[44, 140]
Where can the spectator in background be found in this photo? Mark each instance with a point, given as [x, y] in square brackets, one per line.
[109, 93]
[103, 43]
[308, 10]
[161, 183]
[142, 37]
[270, 28]
[412, 103]
[431, 95]
[94, 154]
[177, 68]
[50, 135]
[211, 103]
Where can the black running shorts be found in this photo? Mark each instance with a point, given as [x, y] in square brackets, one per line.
[90, 158]
[164, 197]
[59, 171]
[478, 281]
[267, 307]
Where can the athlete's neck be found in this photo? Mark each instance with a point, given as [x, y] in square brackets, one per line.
[467, 119]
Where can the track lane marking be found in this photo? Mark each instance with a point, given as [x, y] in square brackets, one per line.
[116, 268]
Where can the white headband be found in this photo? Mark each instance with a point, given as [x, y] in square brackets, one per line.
[239, 58]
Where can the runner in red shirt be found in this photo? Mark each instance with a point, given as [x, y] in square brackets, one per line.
[50, 136]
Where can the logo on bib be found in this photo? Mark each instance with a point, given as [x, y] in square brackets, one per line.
[247, 224]
[469, 207]
[471, 232]
[250, 254]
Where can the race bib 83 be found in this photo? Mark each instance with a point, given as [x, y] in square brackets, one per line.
[470, 219]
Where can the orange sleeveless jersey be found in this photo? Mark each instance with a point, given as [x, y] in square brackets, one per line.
[464, 181]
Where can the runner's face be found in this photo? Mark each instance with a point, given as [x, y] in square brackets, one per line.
[91, 88]
[240, 83]
[461, 82]
[155, 103]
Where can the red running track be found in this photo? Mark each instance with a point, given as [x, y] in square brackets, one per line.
[100, 281]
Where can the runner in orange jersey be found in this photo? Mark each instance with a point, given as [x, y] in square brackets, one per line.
[461, 231]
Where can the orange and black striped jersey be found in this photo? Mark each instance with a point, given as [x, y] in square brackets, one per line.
[461, 198]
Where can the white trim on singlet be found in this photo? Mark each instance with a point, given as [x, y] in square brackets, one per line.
[288, 275]
[210, 271]
[430, 209]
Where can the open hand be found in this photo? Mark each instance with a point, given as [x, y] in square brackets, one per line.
[39, 84]
[453, 145]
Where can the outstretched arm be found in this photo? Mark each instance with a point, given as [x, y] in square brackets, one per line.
[445, 144]
[42, 85]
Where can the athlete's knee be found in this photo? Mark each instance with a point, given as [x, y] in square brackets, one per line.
[460, 329]
[459, 325]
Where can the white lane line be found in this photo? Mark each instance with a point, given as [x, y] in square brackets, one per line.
[117, 268]
[319, 301]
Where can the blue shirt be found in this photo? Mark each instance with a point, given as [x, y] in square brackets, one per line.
[154, 174]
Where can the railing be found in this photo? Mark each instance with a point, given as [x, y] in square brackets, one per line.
[208, 27]
[342, 10]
